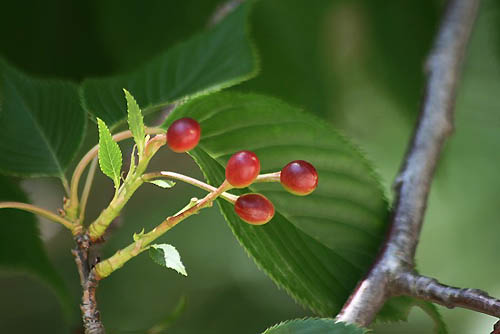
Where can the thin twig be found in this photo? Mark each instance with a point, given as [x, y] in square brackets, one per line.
[90, 314]
[413, 182]
[38, 211]
[86, 189]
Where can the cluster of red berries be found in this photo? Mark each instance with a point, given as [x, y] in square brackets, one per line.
[298, 177]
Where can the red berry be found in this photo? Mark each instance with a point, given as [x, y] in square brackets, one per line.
[183, 135]
[254, 209]
[299, 177]
[242, 169]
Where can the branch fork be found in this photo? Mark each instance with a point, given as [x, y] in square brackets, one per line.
[394, 273]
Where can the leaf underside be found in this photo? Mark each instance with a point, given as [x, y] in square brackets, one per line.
[167, 256]
[316, 247]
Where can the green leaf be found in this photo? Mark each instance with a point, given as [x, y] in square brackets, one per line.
[21, 248]
[163, 183]
[218, 58]
[167, 256]
[316, 247]
[398, 309]
[110, 155]
[314, 326]
[135, 121]
[41, 124]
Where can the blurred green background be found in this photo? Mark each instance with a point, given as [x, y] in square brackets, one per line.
[356, 63]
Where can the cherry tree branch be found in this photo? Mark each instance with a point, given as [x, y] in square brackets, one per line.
[413, 284]
[38, 211]
[412, 185]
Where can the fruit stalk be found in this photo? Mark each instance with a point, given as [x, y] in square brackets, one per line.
[197, 183]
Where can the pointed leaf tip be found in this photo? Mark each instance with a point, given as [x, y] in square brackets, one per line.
[135, 121]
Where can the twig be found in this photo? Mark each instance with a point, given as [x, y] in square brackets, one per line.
[413, 284]
[413, 182]
[88, 280]
[116, 261]
[38, 211]
[86, 189]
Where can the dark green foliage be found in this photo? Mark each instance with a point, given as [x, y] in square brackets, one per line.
[41, 124]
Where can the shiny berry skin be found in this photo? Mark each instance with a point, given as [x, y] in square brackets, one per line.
[242, 169]
[183, 135]
[254, 209]
[299, 177]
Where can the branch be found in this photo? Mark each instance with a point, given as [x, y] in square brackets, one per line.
[413, 182]
[90, 314]
[38, 211]
[105, 268]
[412, 284]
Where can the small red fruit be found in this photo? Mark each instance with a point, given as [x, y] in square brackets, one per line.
[242, 169]
[183, 135]
[254, 209]
[299, 177]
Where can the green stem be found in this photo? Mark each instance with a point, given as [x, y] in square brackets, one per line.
[125, 192]
[105, 268]
[73, 203]
[86, 189]
[39, 211]
[65, 184]
[192, 181]
[269, 177]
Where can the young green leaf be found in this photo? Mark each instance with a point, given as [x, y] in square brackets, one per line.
[110, 155]
[167, 256]
[315, 326]
[317, 247]
[210, 61]
[163, 183]
[41, 124]
[135, 121]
